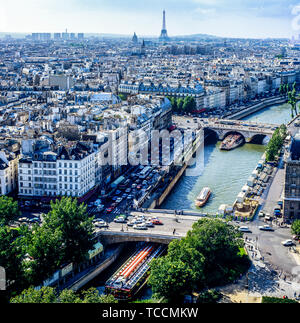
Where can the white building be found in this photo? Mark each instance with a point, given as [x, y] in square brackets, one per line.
[8, 172]
[66, 171]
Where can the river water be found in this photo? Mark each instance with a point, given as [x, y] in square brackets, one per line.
[224, 172]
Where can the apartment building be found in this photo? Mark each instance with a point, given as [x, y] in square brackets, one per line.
[292, 182]
[8, 172]
[47, 170]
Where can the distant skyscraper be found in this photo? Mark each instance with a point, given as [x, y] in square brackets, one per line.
[164, 33]
[81, 36]
[57, 36]
[135, 39]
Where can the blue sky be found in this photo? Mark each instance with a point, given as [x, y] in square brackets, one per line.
[229, 18]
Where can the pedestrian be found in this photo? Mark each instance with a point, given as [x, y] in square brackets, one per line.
[174, 232]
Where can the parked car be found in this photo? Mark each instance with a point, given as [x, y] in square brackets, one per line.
[266, 228]
[101, 224]
[245, 229]
[156, 222]
[141, 226]
[149, 224]
[132, 223]
[287, 243]
[120, 219]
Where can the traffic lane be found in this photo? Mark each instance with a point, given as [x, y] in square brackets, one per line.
[271, 248]
[169, 225]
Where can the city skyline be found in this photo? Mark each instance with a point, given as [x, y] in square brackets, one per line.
[243, 19]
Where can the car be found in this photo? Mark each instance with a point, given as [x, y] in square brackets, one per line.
[97, 203]
[261, 214]
[128, 190]
[287, 243]
[266, 228]
[132, 223]
[245, 229]
[110, 209]
[139, 187]
[33, 220]
[156, 222]
[141, 226]
[119, 200]
[101, 224]
[149, 224]
[120, 220]
[100, 208]
[23, 219]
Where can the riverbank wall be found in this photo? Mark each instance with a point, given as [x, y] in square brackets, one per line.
[96, 271]
[257, 107]
[158, 199]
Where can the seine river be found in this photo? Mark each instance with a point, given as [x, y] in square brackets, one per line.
[224, 172]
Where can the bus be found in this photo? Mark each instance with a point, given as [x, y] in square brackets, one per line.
[144, 173]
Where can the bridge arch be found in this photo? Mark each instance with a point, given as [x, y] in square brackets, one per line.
[109, 238]
[260, 139]
[211, 134]
[226, 134]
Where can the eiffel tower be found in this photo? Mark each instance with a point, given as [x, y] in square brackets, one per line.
[164, 33]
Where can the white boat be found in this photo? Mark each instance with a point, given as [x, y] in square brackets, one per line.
[203, 197]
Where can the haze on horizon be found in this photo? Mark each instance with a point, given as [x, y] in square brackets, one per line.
[225, 18]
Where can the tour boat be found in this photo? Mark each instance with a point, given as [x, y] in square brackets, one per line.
[203, 197]
[231, 142]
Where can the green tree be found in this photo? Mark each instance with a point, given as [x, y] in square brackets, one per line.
[31, 295]
[180, 103]
[123, 97]
[75, 226]
[44, 246]
[276, 143]
[92, 296]
[68, 296]
[9, 210]
[296, 227]
[11, 257]
[171, 279]
[49, 295]
[210, 254]
[189, 104]
[292, 100]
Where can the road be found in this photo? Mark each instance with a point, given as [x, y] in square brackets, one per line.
[181, 224]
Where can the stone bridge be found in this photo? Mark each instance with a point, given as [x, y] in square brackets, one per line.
[174, 227]
[249, 130]
[113, 237]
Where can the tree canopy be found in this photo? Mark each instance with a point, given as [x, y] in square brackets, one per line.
[276, 143]
[183, 105]
[9, 210]
[49, 295]
[11, 256]
[296, 227]
[209, 255]
[75, 226]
